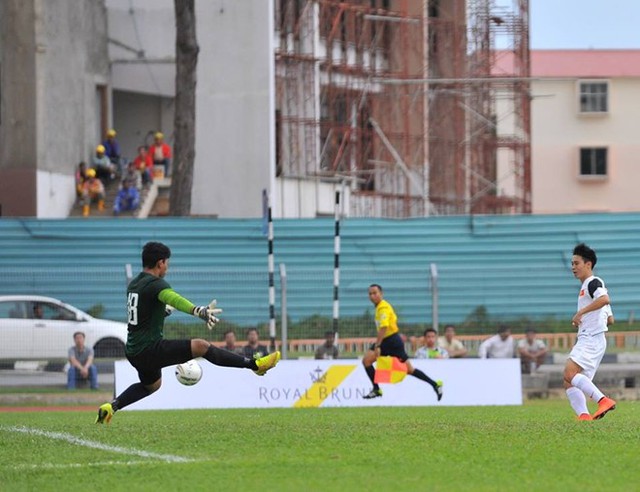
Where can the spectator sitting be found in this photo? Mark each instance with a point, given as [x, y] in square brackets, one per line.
[132, 176]
[81, 365]
[451, 344]
[93, 190]
[253, 349]
[328, 350]
[144, 165]
[128, 198]
[112, 150]
[161, 153]
[532, 351]
[105, 170]
[81, 177]
[430, 350]
[230, 342]
[499, 346]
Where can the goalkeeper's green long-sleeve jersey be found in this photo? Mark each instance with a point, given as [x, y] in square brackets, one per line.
[147, 297]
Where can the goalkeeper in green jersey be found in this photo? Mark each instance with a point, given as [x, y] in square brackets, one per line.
[149, 300]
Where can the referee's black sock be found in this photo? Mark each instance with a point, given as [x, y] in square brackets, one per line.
[421, 375]
[131, 395]
[224, 358]
[371, 372]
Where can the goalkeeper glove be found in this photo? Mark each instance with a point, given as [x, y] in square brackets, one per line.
[208, 313]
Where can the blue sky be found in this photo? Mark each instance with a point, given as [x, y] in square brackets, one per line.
[584, 24]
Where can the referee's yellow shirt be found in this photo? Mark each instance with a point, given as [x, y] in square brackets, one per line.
[386, 318]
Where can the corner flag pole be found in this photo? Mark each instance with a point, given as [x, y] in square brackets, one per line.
[272, 289]
[336, 268]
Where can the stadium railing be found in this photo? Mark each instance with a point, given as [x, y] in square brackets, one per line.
[561, 342]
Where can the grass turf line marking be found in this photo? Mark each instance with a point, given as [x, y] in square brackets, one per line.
[60, 466]
[97, 445]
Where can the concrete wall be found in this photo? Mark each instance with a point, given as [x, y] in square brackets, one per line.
[558, 132]
[137, 116]
[71, 61]
[57, 53]
[235, 113]
[18, 106]
[146, 62]
[305, 198]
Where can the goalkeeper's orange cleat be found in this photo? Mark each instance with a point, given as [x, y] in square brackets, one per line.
[585, 416]
[266, 363]
[605, 405]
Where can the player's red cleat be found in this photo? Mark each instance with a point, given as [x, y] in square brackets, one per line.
[604, 405]
[585, 416]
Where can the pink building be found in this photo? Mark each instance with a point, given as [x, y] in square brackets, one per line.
[585, 148]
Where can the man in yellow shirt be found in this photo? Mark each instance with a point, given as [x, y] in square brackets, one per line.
[389, 342]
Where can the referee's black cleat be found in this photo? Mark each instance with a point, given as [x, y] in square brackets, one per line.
[374, 393]
[438, 389]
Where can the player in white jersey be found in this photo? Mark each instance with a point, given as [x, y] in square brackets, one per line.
[591, 321]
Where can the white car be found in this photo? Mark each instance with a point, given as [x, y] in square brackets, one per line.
[37, 327]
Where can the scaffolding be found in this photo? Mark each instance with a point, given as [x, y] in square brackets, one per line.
[401, 100]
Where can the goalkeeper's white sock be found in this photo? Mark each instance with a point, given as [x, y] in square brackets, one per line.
[585, 384]
[577, 400]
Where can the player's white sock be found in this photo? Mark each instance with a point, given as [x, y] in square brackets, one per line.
[585, 384]
[577, 400]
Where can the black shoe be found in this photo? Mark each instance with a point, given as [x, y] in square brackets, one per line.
[374, 393]
[438, 389]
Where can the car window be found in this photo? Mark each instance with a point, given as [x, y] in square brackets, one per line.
[12, 309]
[46, 310]
[64, 313]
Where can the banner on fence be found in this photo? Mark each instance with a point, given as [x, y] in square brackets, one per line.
[332, 383]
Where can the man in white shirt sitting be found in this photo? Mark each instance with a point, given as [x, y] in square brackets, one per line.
[499, 346]
[532, 351]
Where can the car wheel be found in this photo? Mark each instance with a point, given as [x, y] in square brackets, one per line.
[109, 347]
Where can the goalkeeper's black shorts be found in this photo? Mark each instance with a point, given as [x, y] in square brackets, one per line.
[162, 353]
[393, 346]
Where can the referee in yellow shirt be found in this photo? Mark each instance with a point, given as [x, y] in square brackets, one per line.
[389, 342]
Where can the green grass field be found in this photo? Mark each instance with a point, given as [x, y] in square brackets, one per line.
[538, 446]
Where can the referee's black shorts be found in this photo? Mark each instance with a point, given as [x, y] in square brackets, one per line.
[163, 353]
[393, 346]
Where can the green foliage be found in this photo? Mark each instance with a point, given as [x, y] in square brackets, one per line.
[530, 447]
[97, 310]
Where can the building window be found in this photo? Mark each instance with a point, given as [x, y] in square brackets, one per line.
[593, 161]
[594, 97]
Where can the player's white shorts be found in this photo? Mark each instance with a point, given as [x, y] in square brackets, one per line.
[588, 352]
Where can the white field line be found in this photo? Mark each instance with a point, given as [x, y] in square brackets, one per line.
[60, 466]
[168, 458]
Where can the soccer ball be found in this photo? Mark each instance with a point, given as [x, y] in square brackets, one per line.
[189, 373]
